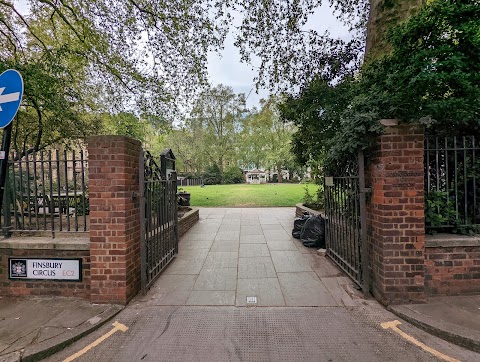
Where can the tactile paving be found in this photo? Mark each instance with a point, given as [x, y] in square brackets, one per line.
[254, 334]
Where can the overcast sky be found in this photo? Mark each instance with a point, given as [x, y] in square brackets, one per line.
[227, 68]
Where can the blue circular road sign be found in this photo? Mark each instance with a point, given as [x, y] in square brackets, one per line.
[11, 92]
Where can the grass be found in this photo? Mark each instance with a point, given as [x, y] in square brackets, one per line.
[243, 195]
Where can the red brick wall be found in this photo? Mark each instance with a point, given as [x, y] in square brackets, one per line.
[452, 270]
[36, 287]
[114, 218]
[395, 214]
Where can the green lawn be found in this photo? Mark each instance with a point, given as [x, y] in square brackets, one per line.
[243, 195]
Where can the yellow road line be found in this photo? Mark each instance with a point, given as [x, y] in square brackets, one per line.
[393, 325]
[116, 327]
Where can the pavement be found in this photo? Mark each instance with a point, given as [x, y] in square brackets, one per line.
[454, 318]
[35, 327]
[241, 289]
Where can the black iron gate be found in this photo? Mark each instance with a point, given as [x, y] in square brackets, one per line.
[345, 213]
[159, 219]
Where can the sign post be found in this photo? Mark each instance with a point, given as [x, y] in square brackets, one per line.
[11, 93]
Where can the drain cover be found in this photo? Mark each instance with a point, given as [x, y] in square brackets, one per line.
[251, 300]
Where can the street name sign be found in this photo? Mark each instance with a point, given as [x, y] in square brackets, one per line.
[11, 93]
[50, 269]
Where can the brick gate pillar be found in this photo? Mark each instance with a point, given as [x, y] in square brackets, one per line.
[113, 164]
[396, 215]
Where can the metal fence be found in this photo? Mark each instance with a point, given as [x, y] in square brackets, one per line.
[452, 182]
[190, 182]
[46, 192]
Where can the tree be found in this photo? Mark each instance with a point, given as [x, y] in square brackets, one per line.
[158, 50]
[51, 109]
[266, 139]
[233, 175]
[431, 75]
[149, 57]
[125, 124]
[218, 111]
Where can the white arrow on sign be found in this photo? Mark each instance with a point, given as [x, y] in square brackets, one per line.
[12, 97]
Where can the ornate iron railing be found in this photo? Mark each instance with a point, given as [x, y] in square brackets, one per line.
[159, 219]
[46, 192]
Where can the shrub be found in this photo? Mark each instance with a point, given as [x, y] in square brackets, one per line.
[233, 175]
[213, 175]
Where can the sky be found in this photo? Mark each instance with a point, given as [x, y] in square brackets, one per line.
[226, 68]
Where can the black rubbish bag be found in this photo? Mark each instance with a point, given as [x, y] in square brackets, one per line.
[298, 225]
[313, 232]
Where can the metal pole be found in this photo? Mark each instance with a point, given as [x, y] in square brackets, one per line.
[6, 139]
[363, 223]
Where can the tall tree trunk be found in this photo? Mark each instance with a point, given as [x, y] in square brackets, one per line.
[220, 163]
[384, 14]
[279, 171]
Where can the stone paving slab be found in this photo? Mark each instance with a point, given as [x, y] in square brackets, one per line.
[249, 222]
[256, 267]
[184, 266]
[267, 291]
[190, 254]
[36, 327]
[217, 279]
[289, 262]
[251, 230]
[252, 250]
[228, 236]
[229, 227]
[305, 290]
[230, 246]
[195, 245]
[281, 245]
[221, 259]
[199, 236]
[252, 239]
[202, 297]
[276, 235]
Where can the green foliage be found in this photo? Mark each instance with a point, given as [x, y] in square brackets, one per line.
[125, 124]
[431, 75]
[433, 72]
[440, 214]
[213, 175]
[307, 198]
[439, 210]
[316, 202]
[53, 108]
[233, 175]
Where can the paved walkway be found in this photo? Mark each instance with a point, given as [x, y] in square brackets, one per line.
[38, 326]
[232, 254]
